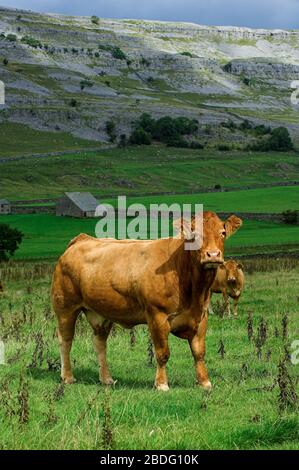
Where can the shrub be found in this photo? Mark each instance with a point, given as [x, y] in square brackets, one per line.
[111, 130]
[10, 239]
[165, 128]
[196, 145]
[290, 217]
[145, 62]
[229, 125]
[186, 53]
[94, 19]
[32, 42]
[73, 103]
[186, 126]
[11, 37]
[262, 130]
[223, 147]
[122, 141]
[146, 122]
[217, 186]
[280, 140]
[117, 53]
[140, 137]
[5, 61]
[246, 81]
[177, 141]
[245, 125]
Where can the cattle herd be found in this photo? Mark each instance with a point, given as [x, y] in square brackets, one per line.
[153, 282]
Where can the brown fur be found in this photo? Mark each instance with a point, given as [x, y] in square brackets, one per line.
[230, 282]
[132, 282]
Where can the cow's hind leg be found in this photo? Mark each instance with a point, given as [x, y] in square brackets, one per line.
[159, 329]
[197, 344]
[101, 328]
[65, 333]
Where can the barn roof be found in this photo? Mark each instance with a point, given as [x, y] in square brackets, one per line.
[85, 201]
[4, 201]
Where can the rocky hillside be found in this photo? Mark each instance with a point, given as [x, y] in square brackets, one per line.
[72, 74]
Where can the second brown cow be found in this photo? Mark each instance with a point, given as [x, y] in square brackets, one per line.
[229, 282]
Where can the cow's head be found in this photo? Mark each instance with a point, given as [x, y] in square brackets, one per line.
[232, 269]
[210, 253]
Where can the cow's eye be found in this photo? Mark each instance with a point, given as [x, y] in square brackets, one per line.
[223, 234]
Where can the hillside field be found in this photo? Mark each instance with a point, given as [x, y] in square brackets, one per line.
[144, 170]
[242, 412]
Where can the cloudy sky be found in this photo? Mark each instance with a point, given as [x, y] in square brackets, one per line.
[252, 13]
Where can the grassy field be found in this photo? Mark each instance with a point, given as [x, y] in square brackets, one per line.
[242, 412]
[269, 200]
[47, 236]
[19, 140]
[142, 171]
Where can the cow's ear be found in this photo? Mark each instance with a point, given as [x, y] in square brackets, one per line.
[240, 266]
[232, 224]
[221, 266]
[184, 229]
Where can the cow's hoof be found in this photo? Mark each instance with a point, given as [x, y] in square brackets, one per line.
[207, 386]
[109, 381]
[162, 387]
[69, 380]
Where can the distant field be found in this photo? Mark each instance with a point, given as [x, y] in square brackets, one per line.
[47, 236]
[19, 140]
[141, 171]
[270, 200]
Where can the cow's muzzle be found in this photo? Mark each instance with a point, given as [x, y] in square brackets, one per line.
[212, 258]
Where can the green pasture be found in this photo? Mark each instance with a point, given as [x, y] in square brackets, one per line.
[241, 412]
[140, 171]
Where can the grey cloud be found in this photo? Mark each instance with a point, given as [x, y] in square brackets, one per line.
[252, 13]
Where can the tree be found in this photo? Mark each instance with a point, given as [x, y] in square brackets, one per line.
[140, 137]
[10, 239]
[111, 130]
[95, 19]
[280, 140]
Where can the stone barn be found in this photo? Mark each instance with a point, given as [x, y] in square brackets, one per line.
[77, 205]
[5, 207]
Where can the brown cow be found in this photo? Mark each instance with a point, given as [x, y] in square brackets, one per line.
[132, 282]
[230, 282]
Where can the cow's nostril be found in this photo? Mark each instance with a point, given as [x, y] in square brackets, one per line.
[213, 254]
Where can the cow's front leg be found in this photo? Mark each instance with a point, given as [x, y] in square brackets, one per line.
[197, 344]
[236, 300]
[226, 303]
[159, 329]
